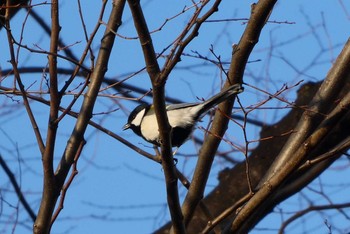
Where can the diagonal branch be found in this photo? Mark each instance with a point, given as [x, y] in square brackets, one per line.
[158, 83]
[17, 189]
[338, 72]
[301, 213]
[43, 222]
[191, 31]
[319, 106]
[11, 9]
[259, 15]
[20, 84]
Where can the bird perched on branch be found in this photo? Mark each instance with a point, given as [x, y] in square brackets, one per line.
[182, 117]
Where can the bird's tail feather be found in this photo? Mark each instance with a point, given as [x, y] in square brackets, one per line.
[222, 96]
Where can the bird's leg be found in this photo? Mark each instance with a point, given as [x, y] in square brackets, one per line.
[174, 153]
[159, 157]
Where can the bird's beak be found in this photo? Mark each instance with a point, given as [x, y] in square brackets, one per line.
[126, 126]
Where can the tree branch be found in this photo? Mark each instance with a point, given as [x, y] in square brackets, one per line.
[20, 84]
[42, 224]
[301, 213]
[192, 30]
[259, 15]
[232, 189]
[158, 83]
[318, 107]
[339, 72]
[17, 189]
[50, 190]
[12, 8]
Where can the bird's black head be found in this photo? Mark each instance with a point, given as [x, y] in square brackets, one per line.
[135, 118]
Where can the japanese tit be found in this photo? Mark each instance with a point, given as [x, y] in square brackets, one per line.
[182, 117]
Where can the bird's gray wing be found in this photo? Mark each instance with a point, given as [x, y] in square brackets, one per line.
[180, 106]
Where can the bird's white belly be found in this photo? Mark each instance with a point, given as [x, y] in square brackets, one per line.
[177, 118]
[149, 126]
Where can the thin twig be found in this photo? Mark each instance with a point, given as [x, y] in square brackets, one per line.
[338, 72]
[18, 191]
[21, 85]
[229, 211]
[68, 183]
[301, 213]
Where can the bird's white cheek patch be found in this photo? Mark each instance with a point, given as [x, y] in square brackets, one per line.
[138, 118]
[149, 126]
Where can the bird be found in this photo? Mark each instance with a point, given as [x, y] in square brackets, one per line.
[182, 117]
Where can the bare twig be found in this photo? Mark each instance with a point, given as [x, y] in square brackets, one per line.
[226, 213]
[191, 31]
[86, 50]
[76, 96]
[43, 222]
[341, 148]
[47, 29]
[338, 72]
[69, 182]
[251, 189]
[301, 213]
[18, 191]
[20, 84]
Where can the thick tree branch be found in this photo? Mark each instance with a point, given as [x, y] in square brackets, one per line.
[50, 190]
[13, 6]
[340, 73]
[259, 15]
[318, 107]
[158, 84]
[42, 224]
[232, 189]
[325, 153]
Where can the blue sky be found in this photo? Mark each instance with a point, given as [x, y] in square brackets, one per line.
[116, 189]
